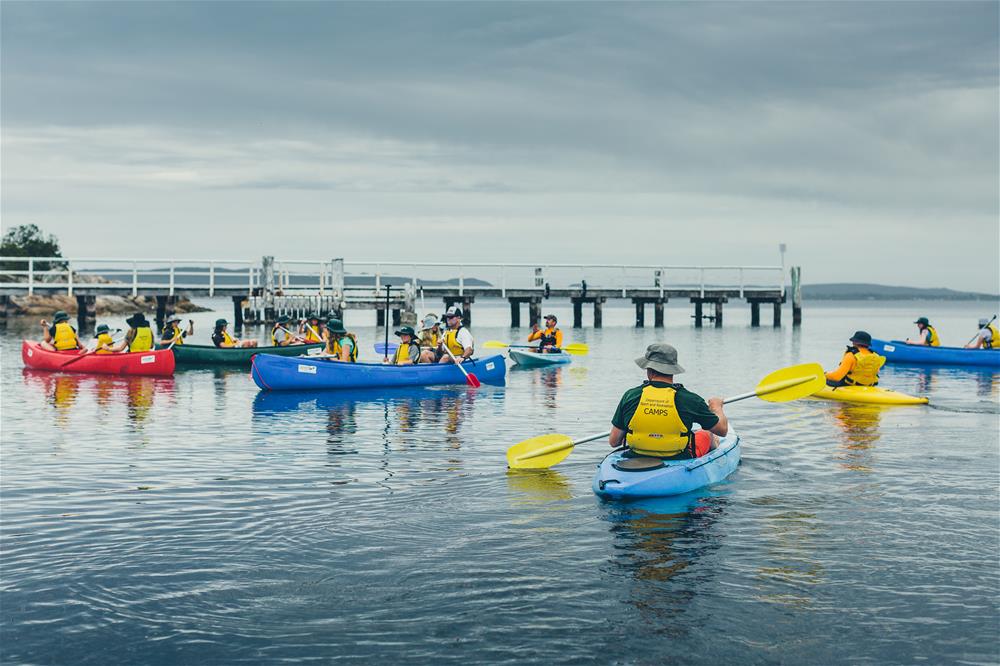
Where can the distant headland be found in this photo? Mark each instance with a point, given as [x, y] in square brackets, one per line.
[852, 291]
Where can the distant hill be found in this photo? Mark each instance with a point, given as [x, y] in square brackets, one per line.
[850, 291]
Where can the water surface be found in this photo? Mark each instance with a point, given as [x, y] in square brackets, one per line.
[196, 520]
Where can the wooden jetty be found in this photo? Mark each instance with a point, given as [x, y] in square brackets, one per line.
[261, 290]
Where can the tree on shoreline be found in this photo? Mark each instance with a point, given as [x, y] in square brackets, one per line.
[27, 240]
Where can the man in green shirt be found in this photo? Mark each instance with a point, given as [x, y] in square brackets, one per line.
[656, 418]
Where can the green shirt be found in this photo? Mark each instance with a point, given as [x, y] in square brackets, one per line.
[691, 407]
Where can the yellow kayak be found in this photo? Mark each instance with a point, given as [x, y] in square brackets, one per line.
[871, 395]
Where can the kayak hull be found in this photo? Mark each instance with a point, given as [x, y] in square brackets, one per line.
[868, 395]
[211, 355]
[674, 478]
[278, 373]
[897, 351]
[158, 363]
[529, 359]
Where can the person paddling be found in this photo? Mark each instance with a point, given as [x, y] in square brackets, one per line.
[430, 339]
[310, 329]
[59, 336]
[222, 339]
[859, 365]
[281, 336]
[928, 335]
[549, 340]
[658, 417]
[105, 343]
[408, 351]
[340, 345]
[457, 338]
[988, 337]
[139, 337]
[172, 333]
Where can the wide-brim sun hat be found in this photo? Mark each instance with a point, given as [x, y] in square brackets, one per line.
[922, 320]
[862, 338]
[406, 330]
[335, 326]
[221, 322]
[173, 317]
[430, 321]
[660, 357]
[60, 315]
[136, 320]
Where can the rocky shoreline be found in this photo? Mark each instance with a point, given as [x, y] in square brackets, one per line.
[38, 305]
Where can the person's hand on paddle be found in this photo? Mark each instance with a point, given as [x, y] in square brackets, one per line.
[45, 324]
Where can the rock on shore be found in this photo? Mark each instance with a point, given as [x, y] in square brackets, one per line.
[44, 306]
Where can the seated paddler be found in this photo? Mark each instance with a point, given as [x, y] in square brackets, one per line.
[661, 418]
[310, 330]
[408, 351]
[281, 335]
[340, 345]
[551, 338]
[172, 333]
[139, 337]
[927, 335]
[457, 339]
[987, 337]
[222, 339]
[59, 335]
[859, 366]
[103, 342]
[430, 339]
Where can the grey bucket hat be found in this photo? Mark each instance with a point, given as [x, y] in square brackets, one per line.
[662, 358]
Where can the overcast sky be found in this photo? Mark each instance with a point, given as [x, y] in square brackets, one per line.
[863, 135]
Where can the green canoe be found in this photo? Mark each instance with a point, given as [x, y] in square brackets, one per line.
[211, 355]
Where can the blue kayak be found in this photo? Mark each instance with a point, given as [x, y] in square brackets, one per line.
[530, 359]
[897, 351]
[283, 373]
[672, 477]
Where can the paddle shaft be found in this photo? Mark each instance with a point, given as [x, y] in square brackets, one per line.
[387, 321]
[84, 355]
[981, 329]
[472, 380]
[777, 386]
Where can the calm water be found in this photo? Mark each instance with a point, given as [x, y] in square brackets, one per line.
[195, 520]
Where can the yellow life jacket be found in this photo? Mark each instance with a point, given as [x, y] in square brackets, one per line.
[548, 337]
[227, 339]
[935, 341]
[451, 340]
[402, 353]
[865, 370]
[429, 339]
[143, 340]
[656, 428]
[333, 347]
[993, 342]
[173, 335]
[104, 339]
[312, 334]
[65, 337]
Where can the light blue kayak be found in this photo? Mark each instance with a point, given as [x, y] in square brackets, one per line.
[530, 359]
[673, 477]
[897, 351]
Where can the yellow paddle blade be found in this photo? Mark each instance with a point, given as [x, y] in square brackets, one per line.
[791, 383]
[495, 344]
[539, 452]
[576, 348]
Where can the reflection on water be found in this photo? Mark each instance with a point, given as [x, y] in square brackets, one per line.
[859, 430]
[658, 538]
[793, 569]
[538, 486]
[137, 394]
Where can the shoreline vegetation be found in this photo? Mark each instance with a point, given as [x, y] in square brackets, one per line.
[861, 291]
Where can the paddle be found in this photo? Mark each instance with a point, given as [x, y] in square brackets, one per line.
[382, 349]
[89, 352]
[386, 359]
[783, 385]
[575, 348]
[981, 329]
[470, 378]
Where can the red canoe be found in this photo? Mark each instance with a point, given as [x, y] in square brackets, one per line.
[157, 363]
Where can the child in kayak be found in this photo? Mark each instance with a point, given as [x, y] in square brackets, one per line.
[928, 335]
[430, 339]
[658, 418]
[222, 339]
[408, 351]
[859, 365]
[59, 336]
[172, 333]
[340, 345]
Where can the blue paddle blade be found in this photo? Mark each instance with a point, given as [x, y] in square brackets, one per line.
[380, 348]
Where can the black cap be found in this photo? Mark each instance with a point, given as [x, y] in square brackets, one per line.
[862, 338]
[922, 320]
